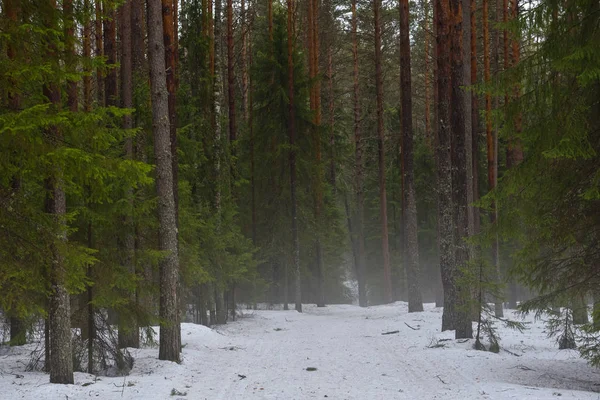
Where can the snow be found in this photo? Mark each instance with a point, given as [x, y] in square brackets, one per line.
[265, 355]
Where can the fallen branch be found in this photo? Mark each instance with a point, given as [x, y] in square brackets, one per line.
[390, 332]
[441, 380]
[414, 329]
[523, 367]
[510, 352]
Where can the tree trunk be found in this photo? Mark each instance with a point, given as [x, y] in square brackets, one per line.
[221, 310]
[231, 76]
[460, 177]
[12, 11]
[87, 53]
[91, 324]
[243, 61]
[70, 55]
[361, 273]
[427, 57]
[110, 52]
[493, 174]
[387, 272]
[315, 97]
[169, 266]
[169, 36]
[515, 148]
[99, 52]
[411, 246]
[580, 311]
[59, 312]
[292, 155]
[444, 164]
[474, 118]
[128, 325]
[332, 157]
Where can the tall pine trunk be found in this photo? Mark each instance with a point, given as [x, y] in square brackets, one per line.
[411, 245]
[110, 52]
[99, 52]
[460, 176]
[169, 37]
[444, 164]
[170, 344]
[292, 156]
[361, 273]
[12, 11]
[385, 252]
[59, 311]
[315, 97]
[128, 325]
[231, 76]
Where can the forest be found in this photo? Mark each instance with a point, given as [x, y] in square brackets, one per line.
[173, 162]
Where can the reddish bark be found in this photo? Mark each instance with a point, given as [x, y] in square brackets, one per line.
[387, 272]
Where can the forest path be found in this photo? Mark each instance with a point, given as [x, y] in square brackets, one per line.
[265, 355]
[352, 357]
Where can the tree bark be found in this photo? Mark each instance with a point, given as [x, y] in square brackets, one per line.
[169, 37]
[87, 53]
[170, 344]
[315, 103]
[70, 55]
[231, 75]
[12, 11]
[444, 164]
[385, 252]
[411, 246]
[428, 139]
[460, 177]
[128, 333]
[110, 52]
[361, 273]
[474, 118]
[292, 155]
[59, 312]
[99, 52]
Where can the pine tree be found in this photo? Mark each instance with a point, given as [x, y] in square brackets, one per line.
[170, 344]
[415, 303]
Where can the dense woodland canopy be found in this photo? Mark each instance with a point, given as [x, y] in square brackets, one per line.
[169, 161]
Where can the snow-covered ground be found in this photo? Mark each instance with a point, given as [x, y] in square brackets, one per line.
[265, 355]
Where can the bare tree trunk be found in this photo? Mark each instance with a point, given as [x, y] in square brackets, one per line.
[415, 301]
[444, 164]
[515, 148]
[243, 61]
[332, 157]
[292, 155]
[387, 272]
[12, 11]
[59, 311]
[361, 273]
[87, 53]
[428, 139]
[99, 52]
[70, 55]
[221, 311]
[169, 36]
[110, 52]
[315, 103]
[170, 344]
[492, 148]
[230, 75]
[128, 325]
[474, 119]
[460, 178]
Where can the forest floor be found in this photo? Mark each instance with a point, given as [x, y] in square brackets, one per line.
[272, 354]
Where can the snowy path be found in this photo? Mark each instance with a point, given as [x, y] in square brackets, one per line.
[265, 355]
